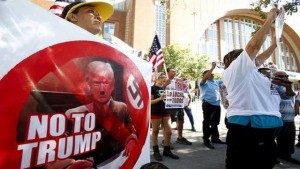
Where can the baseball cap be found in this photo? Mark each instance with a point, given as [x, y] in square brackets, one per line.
[105, 9]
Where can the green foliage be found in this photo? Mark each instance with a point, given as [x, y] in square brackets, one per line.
[217, 76]
[185, 62]
[289, 7]
[162, 2]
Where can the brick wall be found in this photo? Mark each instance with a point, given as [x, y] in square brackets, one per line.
[43, 3]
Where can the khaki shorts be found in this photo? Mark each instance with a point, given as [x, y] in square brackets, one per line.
[176, 115]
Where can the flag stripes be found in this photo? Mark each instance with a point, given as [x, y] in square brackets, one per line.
[156, 56]
[58, 7]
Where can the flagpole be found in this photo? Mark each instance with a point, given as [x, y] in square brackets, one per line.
[166, 70]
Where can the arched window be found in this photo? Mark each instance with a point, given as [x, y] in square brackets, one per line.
[231, 33]
[288, 59]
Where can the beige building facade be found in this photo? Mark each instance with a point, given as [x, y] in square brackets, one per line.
[209, 28]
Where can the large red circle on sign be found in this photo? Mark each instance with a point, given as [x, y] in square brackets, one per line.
[17, 86]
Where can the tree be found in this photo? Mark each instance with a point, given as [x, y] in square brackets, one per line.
[290, 6]
[185, 62]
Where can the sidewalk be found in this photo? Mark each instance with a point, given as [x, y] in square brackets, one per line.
[197, 156]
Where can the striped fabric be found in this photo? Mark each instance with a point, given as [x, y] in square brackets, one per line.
[156, 56]
[58, 7]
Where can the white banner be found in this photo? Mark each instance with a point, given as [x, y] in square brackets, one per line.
[279, 22]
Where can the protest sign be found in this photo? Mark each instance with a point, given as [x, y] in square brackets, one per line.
[181, 84]
[175, 90]
[174, 99]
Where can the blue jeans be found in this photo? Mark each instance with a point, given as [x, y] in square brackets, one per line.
[188, 112]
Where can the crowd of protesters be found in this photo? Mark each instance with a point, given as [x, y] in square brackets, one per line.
[258, 102]
[260, 106]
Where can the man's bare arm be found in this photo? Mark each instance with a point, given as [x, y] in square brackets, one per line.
[208, 73]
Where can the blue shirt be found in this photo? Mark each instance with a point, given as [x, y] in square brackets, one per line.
[257, 121]
[210, 92]
[286, 107]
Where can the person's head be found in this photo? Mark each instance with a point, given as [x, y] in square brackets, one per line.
[211, 77]
[272, 66]
[154, 165]
[171, 73]
[231, 56]
[160, 78]
[101, 81]
[88, 15]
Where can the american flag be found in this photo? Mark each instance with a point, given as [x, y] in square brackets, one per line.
[59, 6]
[156, 56]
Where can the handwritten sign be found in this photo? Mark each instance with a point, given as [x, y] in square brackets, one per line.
[181, 84]
[174, 99]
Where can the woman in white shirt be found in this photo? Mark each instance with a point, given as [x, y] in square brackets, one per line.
[253, 111]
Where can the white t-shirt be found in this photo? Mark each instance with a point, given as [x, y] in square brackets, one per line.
[249, 92]
[172, 85]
